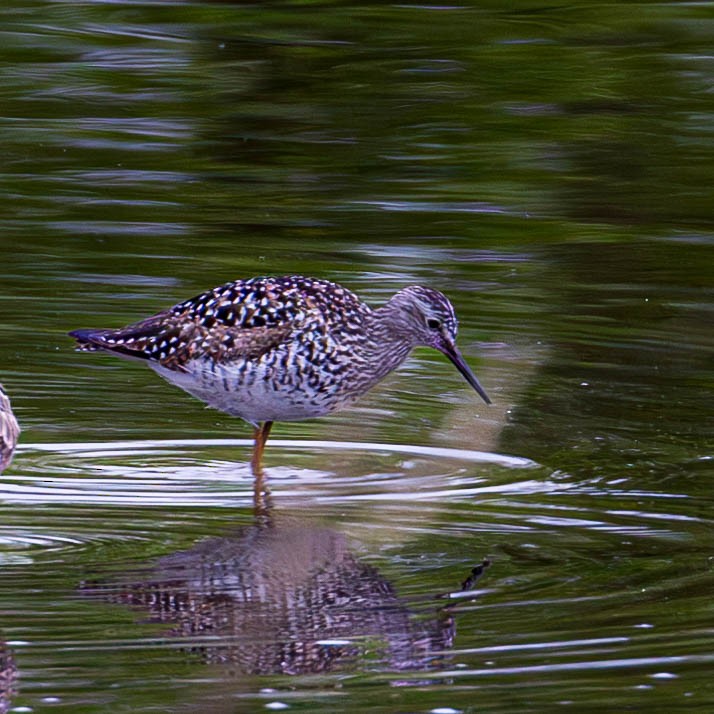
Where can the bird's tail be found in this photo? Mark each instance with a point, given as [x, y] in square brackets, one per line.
[88, 340]
[133, 342]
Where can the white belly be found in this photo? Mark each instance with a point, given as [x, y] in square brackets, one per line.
[250, 395]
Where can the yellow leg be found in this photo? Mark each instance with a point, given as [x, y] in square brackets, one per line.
[260, 436]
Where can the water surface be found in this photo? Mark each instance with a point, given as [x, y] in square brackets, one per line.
[549, 169]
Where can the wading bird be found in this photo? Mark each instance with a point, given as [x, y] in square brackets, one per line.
[285, 348]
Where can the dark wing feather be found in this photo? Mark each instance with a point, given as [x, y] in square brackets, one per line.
[241, 320]
[135, 340]
[172, 343]
[220, 343]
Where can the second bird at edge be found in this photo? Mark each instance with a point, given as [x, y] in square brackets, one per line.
[284, 348]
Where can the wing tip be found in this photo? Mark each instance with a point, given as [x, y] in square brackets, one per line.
[82, 335]
[110, 341]
[87, 339]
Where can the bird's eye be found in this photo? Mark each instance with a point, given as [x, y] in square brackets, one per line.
[433, 324]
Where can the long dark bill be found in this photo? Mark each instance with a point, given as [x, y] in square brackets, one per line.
[455, 356]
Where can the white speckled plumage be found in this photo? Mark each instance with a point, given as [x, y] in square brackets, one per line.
[285, 348]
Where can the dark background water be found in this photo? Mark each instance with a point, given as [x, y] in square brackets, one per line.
[550, 169]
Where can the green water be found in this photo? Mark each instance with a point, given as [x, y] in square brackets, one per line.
[550, 169]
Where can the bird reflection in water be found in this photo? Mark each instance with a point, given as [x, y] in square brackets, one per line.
[288, 598]
[8, 676]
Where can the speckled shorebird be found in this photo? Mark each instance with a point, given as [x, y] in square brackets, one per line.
[9, 430]
[284, 349]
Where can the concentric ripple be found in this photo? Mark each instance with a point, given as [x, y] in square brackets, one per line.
[151, 549]
[189, 473]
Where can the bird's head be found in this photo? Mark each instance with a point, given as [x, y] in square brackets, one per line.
[427, 317]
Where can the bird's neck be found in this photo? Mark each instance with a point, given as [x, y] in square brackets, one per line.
[389, 321]
[375, 349]
[389, 344]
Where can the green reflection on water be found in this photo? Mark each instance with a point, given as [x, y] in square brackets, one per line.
[548, 168]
